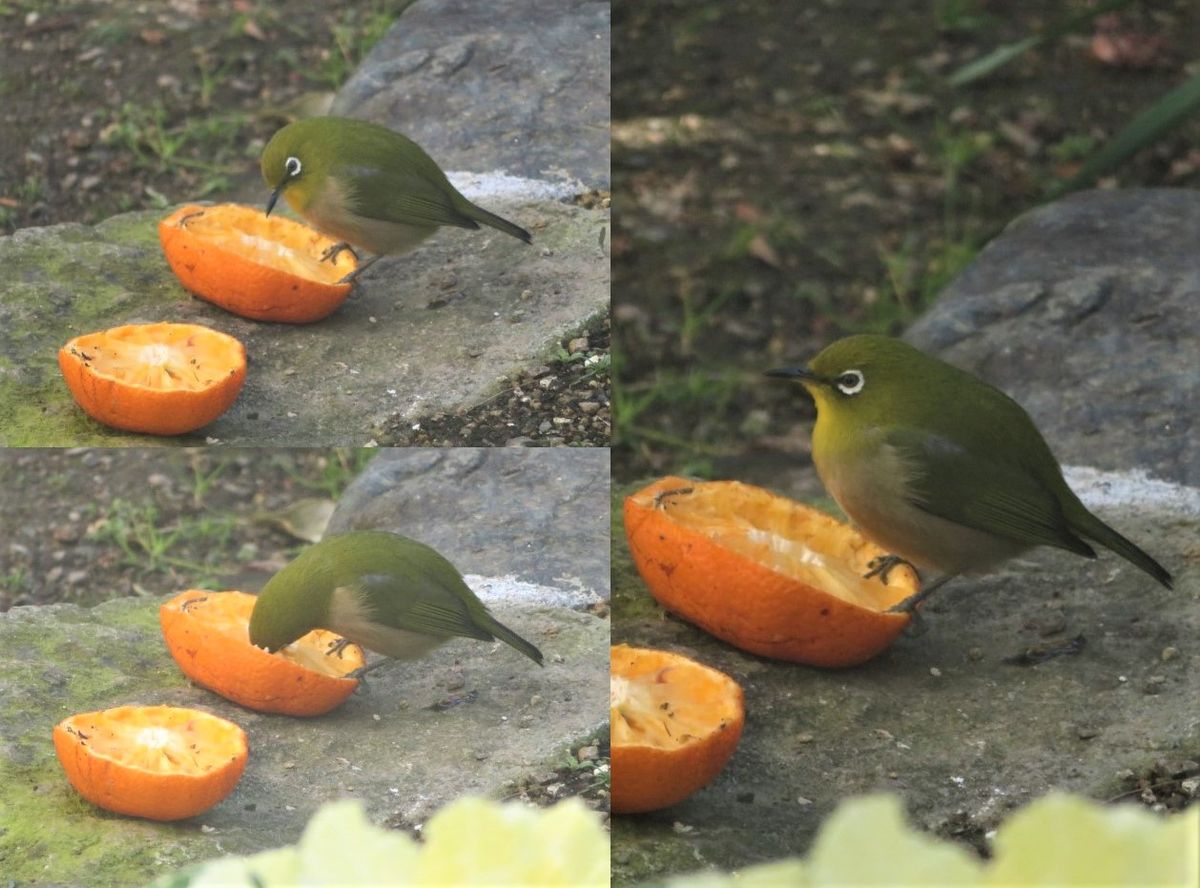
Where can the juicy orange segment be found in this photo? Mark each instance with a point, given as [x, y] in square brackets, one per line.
[674, 725]
[267, 268]
[208, 635]
[158, 762]
[765, 573]
[160, 379]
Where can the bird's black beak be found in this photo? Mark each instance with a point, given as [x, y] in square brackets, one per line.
[275, 196]
[800, 373]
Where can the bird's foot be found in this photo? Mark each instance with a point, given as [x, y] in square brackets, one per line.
[883, 565]
[358, 673]
[909, 605]
[333, 252]
[352, 276]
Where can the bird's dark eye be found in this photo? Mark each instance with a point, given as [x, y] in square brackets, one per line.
[850, 382]
[292, 166]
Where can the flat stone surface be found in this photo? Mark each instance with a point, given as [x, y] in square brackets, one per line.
[428, 332]
[1084, 311]
[962, 736]
[470, 718]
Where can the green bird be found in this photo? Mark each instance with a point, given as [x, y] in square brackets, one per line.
[367, 186]
[380, 590]
[940, 468]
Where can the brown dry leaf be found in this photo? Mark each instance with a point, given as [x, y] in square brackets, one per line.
[153, 36]
[1125, 48]
[745, 211]
[761, 249]
[252, 30]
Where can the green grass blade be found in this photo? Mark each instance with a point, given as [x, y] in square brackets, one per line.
[998, 57]
[1004, 54]
[1149, 126]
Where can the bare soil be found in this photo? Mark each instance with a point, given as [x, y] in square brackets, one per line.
[83, 526]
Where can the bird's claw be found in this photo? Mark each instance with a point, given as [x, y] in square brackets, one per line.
[882, 565]
[331, 254]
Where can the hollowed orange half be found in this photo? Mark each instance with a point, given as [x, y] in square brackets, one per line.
[674, 724]
[765, 573]
[267, 268]
[158, 762]
[159, 379]
[208, 635]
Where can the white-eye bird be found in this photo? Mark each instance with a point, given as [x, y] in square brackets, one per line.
[938, 466]
[367, 186]
[380, 590]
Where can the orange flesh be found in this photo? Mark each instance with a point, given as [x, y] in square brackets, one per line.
[159, 739]
[770, 531]
[655, 710]
[164, 357]
[229, 614]
[275, 242]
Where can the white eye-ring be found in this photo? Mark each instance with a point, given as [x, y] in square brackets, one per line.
[850, 382]
[292, 166]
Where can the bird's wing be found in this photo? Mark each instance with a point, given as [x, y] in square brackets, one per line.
[417, 602]
[403, 196]
[976, 491]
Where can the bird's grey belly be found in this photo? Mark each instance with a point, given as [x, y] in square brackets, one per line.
[874, 497]
[348, 618]
[329, 213]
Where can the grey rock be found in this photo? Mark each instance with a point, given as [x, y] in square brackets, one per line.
[516, 85]
[540, 515]
[1085, 312]
[405, 747]
[940, 718]
[400, 346]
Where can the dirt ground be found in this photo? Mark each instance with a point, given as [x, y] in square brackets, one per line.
[87, 525]
[789, 173]
[115, 105]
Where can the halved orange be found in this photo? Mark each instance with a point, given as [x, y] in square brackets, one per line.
[158, 762]
[674, 724]
[262, 267]
[764, 573]
[160, 379]
[208, 635]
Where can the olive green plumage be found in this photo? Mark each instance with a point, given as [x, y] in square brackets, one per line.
[383, 591]
[938, 466]
[367, 185]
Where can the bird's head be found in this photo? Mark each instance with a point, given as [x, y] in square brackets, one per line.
[287, 608]
[294, 163]
[861, 378]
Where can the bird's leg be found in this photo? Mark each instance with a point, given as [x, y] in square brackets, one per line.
[909, 605]
[336, 648]
[333, 252]
[354, 274]
[363, 670]
[883, 565]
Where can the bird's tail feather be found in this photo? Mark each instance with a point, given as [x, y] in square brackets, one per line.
[479, 214]
[1093, 528]
[506, 635]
